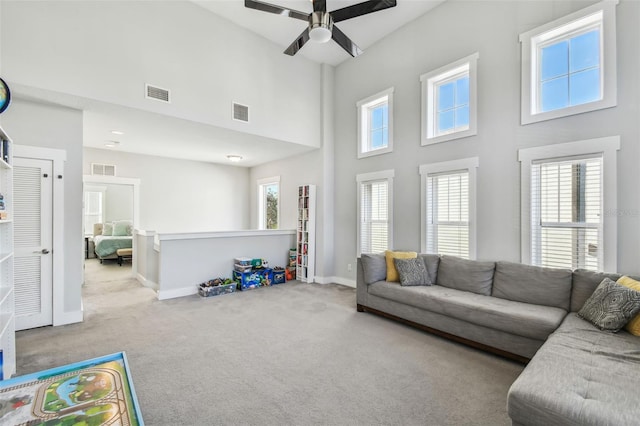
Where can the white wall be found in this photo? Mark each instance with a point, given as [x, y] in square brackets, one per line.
[108, 50]
[182, 195]
[50, 126]
[451, 31]
[118, 202]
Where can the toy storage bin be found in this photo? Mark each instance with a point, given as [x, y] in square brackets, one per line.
[253, 279]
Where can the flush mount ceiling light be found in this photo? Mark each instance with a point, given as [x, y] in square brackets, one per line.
[117, 132]
[320, 26]
[112, 144]
[234, 158]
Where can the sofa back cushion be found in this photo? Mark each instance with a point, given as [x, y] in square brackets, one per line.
[532, 284]
[431, 261]
[584, 284]
[467, 275]
[374, 267]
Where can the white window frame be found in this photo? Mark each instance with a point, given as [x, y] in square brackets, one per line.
[262, 184]
[364, 107]
[102, 190]
[565, 28]
[607, 147]
[433, 79]
[363, 179]
[471, 165]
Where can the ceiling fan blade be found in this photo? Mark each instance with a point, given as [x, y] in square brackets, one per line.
[297, 45]
[361, 9]
[270, 8]
[319, 5]
[345, 42]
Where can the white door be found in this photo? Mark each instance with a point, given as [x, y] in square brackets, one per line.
[33, 237]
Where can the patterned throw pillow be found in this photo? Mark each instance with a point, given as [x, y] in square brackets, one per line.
[611, 306]
[412, 272]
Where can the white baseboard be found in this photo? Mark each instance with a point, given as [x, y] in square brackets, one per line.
[64, 318]
[336, 280]
[147, 283]
[177, 292]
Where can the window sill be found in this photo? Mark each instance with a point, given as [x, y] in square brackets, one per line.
[449, 137]
[375, 152]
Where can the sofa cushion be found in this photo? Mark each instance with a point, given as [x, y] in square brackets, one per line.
[584, 284]
[580, 376]
[632, 326]
[611, 306]
[518, 318]
[392, 272]
[468, 275]
[374, 267]
[412, 272]
[431, 261]
[532, 284]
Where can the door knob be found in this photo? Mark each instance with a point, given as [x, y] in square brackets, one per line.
[43, 251]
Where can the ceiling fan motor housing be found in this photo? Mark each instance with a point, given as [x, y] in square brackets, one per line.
[320, 26]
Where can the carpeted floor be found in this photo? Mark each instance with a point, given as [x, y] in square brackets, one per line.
[294, 354]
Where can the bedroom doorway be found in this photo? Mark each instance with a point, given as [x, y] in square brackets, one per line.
[110, 214]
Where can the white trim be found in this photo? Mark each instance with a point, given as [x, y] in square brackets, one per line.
[608, 147]
[147, 283]
[144, 233]
[223, 234]
[371, 177]
[58, 157]
[608, 70]
[336, 280]
[177, 292]
[363, 125]
[429, 80]
[470, 164]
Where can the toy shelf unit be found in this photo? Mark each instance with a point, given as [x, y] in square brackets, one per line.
[7, 297]
[306, 235]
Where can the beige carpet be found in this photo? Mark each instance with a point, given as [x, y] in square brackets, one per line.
[290, 354]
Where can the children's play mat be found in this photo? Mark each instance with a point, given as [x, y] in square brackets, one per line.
[89, 393]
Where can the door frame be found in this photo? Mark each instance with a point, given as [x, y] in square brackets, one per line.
[135, 182]
[58, 158]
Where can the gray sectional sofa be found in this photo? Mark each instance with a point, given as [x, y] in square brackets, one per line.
[577, 374]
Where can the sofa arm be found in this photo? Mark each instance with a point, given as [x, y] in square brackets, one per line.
[361, 286]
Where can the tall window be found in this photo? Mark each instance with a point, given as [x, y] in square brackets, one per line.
[93, 210]
[375, 212]
[449, 207]
[566, 213]
[449, 101]
[268, 203]
[568, 65]
[375, 124]
[569, 199]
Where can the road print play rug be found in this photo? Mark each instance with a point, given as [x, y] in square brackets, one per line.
[95, 392]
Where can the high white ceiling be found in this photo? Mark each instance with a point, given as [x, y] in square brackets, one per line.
[155, 134]
[363, 30]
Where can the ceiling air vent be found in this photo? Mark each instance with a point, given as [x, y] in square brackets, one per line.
[240, 112]
[153, 92]
[103, 169]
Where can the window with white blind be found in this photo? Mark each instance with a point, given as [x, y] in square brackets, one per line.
[566, 213]
[93, 209]
[375, 212]
[448, 207]
[569, 215]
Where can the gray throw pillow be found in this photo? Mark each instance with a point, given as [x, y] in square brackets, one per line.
[412, 272]
[611, 306]
[374, 267]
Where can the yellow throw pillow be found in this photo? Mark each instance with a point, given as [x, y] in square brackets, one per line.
[392, 272]
[632, 326]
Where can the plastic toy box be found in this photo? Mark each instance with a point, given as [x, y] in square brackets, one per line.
[253, 279]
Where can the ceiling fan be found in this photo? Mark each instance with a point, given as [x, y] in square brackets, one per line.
[321, 23]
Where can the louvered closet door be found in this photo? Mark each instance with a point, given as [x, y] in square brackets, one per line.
[33, 233]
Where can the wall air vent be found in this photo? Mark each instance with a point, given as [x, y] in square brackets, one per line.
[103, 169]
[153, 92]
[240, 112]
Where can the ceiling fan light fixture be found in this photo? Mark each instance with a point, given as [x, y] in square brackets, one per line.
[320, 24]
